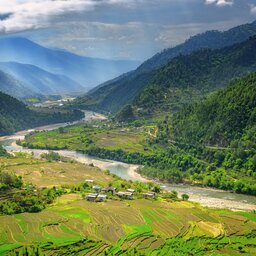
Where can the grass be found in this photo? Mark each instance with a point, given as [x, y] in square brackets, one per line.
[48, 174]
[81, 137]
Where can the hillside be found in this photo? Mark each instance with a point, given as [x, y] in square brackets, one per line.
[14, 115]
[120, 91]
[184, 79]
[11, 86]
[86, 71]
[40, 81]
[224, 117]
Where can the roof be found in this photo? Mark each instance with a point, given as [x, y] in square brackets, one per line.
[96, 187]
[122, 193]
[130, 190]
[91, 181]
[92, 195]
[102, 196]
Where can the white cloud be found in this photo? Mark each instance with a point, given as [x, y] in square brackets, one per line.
[252, 9]
[220, 2]
[33, 14]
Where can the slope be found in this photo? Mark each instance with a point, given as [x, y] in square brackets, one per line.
[11, 86]
[113, 94]
[14, 115]
[85, 71]
[39, 80]
[225, 116]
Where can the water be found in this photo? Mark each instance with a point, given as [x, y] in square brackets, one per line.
[206, 197]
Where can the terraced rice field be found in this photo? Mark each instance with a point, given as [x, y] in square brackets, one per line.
[118, 226]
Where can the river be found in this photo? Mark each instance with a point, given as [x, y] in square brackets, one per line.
[206, 197]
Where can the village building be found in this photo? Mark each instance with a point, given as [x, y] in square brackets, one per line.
[102, 198]
[91, 197]
[109, 189]
[89, 181]
[130, 190]
[97, 189]
[125, 195]
[149, 195]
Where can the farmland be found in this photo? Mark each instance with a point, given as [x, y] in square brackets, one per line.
[74, 226]
[81, 137]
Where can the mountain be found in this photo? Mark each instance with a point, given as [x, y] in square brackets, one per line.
[184, 79]
[120, 91]
[225, 116]
[10, 85]
[15, 115]
[40, 81]
[86, 71]
[211, 39]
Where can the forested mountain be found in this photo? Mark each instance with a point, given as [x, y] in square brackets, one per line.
[211, 39]
[122, 90]
[14, 115]
[226, 116]
[40, 81]
[11, 86]
[184, 79]
[86, 71]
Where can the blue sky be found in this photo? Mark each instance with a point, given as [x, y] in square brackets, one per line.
[119, 29]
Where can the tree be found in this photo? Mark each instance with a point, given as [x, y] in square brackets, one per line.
[185, 197]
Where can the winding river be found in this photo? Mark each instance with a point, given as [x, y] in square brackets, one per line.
[206, 197]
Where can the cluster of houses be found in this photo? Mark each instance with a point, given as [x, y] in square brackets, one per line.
[99, 197]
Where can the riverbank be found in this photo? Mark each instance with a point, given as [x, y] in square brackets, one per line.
[205, 196]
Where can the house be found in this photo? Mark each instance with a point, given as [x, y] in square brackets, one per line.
[149, 195]
[91, 197]
[102, 198]
[109, 189]
[130, 190]
[89, 181]
[125, 195]
[97, 189]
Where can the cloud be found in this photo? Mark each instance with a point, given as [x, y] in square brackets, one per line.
[34, 14]
[220, 2]
[252, 9]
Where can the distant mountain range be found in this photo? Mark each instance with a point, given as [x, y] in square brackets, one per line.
[150, 83]
[45, 70]
[12, 86]
[39, 81]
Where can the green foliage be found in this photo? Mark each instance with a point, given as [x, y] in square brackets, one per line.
[9, 180]
[115, 94]
[222, 118]
[24, 198]
[126, 114]
[15, 115]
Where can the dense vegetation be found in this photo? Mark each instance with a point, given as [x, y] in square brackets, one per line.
[2, 151]
[121, 91]
[223, 118]
[221, 132]
[15, 115]
[187, 78]
[155, 151]
[17, 197]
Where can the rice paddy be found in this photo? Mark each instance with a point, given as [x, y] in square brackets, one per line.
[74, 226]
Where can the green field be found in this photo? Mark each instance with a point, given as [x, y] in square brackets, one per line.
[81, 137]
[74, 226]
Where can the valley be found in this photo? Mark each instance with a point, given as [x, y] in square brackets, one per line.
[112, 144]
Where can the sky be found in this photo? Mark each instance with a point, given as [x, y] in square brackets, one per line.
[119, 29]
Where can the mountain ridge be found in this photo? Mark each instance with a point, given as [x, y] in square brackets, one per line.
[102, 98]
[84, 70]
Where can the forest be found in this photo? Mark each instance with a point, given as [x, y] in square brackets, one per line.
[15, 115]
